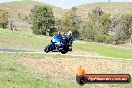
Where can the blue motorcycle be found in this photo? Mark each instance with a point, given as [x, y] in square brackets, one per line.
[58, 44]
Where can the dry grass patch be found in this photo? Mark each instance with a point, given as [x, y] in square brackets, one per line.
[64, 68]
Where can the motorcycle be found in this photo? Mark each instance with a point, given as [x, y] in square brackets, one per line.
[62, 45]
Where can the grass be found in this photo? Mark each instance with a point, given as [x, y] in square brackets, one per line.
[106, 49]
[21, 41]
[14, 74]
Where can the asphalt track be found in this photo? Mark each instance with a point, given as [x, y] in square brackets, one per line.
[58, 53]
[13, 50]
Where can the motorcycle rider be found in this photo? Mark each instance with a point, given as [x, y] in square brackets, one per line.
[60, 42]
[56, 40]
[69, 36]
[59, 35]
[59, 38]
[70, 40]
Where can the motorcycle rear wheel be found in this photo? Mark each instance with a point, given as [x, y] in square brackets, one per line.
[64, 52]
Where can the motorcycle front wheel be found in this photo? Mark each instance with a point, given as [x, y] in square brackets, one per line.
[64, 52]
[47, 48]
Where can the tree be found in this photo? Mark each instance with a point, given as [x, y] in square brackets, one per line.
[43, 20]
[97, 26]
[70, 22]
[89, 28]
[125, 27]
[58, 24]
[114, 20]
[98, 11]
[3, 18]
[103, 29]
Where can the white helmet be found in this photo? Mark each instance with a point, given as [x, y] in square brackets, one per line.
[69, 33]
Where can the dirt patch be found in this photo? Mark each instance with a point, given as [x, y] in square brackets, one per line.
[78, 52]
[63, 70]
[67, 67]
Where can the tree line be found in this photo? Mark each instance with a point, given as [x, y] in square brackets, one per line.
[99, 25]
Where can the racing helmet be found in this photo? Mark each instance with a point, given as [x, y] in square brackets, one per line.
[59, 33]
[69, 33]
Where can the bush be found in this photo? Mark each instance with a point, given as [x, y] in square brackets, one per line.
[3, 18]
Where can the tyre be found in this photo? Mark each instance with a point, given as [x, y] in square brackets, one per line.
[64, 52]
[47, 48]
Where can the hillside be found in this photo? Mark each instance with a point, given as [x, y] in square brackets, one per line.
[123, 7]
[23, 8]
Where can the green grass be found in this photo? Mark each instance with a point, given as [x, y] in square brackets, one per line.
[21, 41]
[14, 75]
[105, 49]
